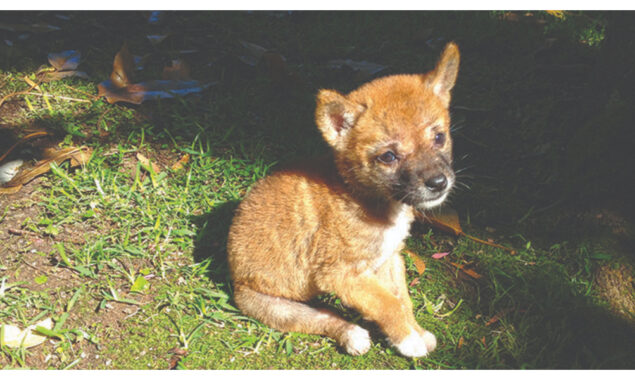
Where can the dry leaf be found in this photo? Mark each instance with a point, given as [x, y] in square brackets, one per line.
[146, 164]
[418, 262]
[139, 92]
[122, 68]
[460, 343]
[446, 219]
[77, 156]
[181, 162]
[66, 60]
[15, 337]
[469, 272]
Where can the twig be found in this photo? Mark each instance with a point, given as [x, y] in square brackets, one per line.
[59, 97]
[34, 85]
[94, 97]
[38, 269]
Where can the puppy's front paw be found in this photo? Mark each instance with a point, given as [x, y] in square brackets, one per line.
[416, 345]
[356, 341]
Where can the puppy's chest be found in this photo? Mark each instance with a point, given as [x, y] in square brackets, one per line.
[393, 236]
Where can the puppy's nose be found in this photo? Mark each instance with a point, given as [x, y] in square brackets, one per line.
[437, 183]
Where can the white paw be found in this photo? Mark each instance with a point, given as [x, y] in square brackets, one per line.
[356, 341]
[430, 339]
[414, 345]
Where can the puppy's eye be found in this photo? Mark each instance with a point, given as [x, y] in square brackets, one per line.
[439, 139]
[387, 157]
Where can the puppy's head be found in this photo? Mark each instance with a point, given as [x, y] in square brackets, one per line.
[391, 137]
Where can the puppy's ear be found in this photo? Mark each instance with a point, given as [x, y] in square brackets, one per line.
[335, 116]
[443, 77]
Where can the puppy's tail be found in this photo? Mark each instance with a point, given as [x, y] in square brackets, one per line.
[288, 315]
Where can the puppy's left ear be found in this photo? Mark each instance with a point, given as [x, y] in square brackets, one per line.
[443, 77]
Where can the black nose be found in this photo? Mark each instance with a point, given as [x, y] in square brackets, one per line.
[437, 183]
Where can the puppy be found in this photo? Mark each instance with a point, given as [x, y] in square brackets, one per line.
[337, 224]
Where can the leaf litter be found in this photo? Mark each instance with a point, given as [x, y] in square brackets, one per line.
[120, 86]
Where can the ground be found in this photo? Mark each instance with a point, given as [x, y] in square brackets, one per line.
[130, 261]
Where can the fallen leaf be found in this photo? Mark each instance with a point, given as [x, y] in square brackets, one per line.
[64, 64]
[498, 316]
[181, 162]
[57, 75]
[14, 337]
[469, 272]
[440, 255]
[414, 282]
[146, 164]
[66, 60]
[446, 219]
[178, 351]
[122, 68]
[139, 92]
[77, 156]
[418, 262]
[458, 346]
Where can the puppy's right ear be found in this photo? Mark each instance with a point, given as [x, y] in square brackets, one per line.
[335, 116]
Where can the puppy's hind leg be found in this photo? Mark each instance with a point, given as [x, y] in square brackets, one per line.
[288, 315]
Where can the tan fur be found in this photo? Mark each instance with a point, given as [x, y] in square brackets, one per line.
[337, 224]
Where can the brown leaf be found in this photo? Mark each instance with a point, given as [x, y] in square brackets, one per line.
[66, 60]
[181, 162]
[414, 282]
[139, 92]
[77, 156]
[461, 341]
[447, 220]
[419, 263]
[146, 164]
[122, 68]
[498, 316]
[467, 271]
[57, 75]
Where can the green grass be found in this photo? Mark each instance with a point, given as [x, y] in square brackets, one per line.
[131, 265]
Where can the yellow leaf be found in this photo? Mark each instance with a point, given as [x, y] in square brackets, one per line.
[418, 262]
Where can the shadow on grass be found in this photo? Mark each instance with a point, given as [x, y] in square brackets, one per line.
[545, 321]
[211, 241]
